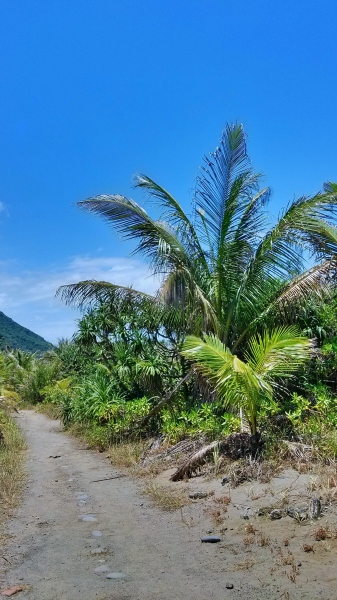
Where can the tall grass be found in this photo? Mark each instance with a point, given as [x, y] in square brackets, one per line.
[12, 445]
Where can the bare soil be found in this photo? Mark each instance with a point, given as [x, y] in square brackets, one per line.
[160, 553]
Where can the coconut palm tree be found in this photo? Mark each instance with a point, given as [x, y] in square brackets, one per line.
[225, 266]
[229, 271]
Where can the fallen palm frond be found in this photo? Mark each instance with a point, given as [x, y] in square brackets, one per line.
[185, 447]
[193, 463]
[234, 447]
[299, 451]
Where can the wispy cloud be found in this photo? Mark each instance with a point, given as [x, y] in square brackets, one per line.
[28, 297]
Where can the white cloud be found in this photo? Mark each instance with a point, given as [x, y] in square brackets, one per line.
[29, 297]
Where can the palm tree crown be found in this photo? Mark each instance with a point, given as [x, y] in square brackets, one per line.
[224, 265]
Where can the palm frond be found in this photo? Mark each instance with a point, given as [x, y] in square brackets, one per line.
[278, 353]
[236, 382]
[157, 241]
[273, 355]
[316, 280]
[173, 210]
[230, 213]
[279, 255]
[173, 213]
[180, 289]
[219, 174]
[90, 293]
[208, 356]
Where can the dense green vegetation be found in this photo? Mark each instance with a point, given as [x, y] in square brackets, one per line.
[13, 335]
[241, 334]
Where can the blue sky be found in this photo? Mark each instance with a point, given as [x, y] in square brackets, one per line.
[93, 91]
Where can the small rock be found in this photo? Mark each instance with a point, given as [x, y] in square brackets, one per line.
[98, 551]
[211, 539]
[81, 503]
[96, 533]
[245, 516]
[86, 517]
[297, 513]
[315, 508]
[116, 576]
[264, 510]
[276, 514]
[225, 480]
[229, 586]
[197, 495]
[102, 569]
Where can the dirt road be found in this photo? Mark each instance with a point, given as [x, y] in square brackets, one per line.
[142, 553]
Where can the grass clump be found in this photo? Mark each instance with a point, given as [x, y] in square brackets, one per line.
[126, 454]
[12, 445]
[166, 498]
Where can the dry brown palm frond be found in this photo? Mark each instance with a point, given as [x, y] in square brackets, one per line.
[193, 462]
[299, 451]
[314, 280]
[187, 446]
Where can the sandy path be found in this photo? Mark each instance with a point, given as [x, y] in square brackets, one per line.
[51, 549]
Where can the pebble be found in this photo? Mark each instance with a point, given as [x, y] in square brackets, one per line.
[81, 503]
[98, 551]
[70, 480]
[116, 576]
[276, 514]
[197, 495]
[89, 519]
[102, 569]
[82, 496]
[229, 586]
[211, 539]
[225, 480]
[97, 533]
[297, 513]
[265, 510]
[315, 508]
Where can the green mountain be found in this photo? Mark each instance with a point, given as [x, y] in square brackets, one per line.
[15, 336]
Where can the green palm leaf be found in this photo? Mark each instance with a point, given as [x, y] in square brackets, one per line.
[275, 354]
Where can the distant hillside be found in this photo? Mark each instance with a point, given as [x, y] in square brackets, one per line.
[15, 336]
